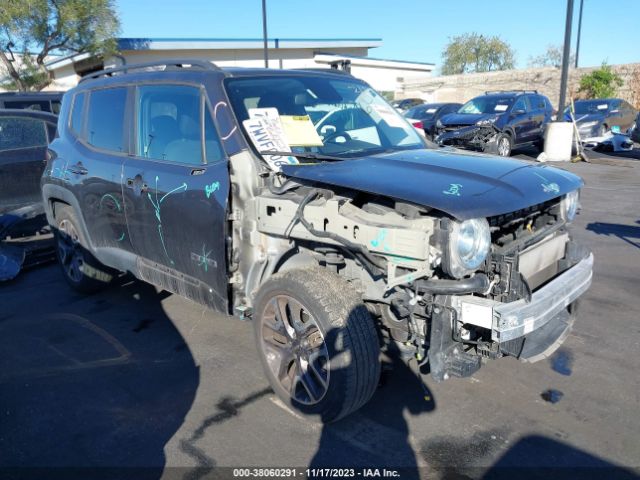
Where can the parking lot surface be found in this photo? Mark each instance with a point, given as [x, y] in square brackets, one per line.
[133, 377]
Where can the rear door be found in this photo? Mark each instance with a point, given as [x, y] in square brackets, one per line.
[538, 116]
[175, 190]
[521, 120]
[23, 145]
[100, 121]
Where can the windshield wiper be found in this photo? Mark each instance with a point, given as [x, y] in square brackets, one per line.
[305, 155]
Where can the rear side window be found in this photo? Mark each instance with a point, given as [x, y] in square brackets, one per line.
[76, 113]
[538, 103]
[21, 133]
[105, 120]
[169, 125]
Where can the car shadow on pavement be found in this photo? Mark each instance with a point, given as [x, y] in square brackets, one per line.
[377, 435]
[93, 387]
[628, 233]
[536, 457]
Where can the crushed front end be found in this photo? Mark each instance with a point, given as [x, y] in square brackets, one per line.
[536, 274]
[472, 137]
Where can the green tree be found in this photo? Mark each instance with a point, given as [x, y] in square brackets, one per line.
[472, 52]
[601, 83]
[35, 29]
[552, 57]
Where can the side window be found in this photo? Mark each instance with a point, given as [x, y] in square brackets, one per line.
[169, 127]
[76, 113]
[21, 133]
[105, 119]
[521, 104]
[212, 146]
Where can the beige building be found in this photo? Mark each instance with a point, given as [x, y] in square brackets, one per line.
[382, 74]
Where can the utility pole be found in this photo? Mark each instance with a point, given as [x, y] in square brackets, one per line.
[579, 31]
[565, 58]
[264, 33]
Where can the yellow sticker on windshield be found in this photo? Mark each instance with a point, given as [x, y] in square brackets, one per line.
[300, 131]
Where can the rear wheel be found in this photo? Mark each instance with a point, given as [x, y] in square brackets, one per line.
[317, 343]
[80, 269]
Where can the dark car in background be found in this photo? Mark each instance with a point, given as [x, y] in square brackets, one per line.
[425, 116]
[497, 122]
[635, 131]
[41, 101]
[406, 103]
[596, 117]
[24, 137]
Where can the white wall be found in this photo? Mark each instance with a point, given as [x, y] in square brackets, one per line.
[381, 78]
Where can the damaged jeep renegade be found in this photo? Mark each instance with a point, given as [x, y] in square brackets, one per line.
[300, 200]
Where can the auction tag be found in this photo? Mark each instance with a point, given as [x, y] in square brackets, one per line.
[432, 110]
[500, 108]
[268, 135]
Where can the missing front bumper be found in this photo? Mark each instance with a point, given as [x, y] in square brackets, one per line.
[508, 321]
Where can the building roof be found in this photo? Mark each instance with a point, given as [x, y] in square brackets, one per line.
[242, 43]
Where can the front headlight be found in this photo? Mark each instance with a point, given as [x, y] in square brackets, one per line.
[469, 244]
[486, 121]
[569, 205]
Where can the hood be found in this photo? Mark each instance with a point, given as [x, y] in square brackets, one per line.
[463, 185]
[466, 118]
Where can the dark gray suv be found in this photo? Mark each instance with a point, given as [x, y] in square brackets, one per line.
[303, 201]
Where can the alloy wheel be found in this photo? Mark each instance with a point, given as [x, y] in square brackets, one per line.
[503, 147]
[295, 349]
[69, 250]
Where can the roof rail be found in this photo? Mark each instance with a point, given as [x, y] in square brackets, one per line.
[173, 64]
[510, 91]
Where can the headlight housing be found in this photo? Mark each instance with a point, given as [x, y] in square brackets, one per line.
[468, 246]
[569, 205]
[486, 121]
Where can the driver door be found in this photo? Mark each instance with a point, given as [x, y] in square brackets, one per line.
[175, 193]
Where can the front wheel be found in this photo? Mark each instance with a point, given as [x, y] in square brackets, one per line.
[503, 143]
[317, 343]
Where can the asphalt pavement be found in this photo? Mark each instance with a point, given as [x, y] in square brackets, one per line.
[136, 383]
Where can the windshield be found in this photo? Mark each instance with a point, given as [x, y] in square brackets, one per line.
[590, 106]
[339, 117]
[487, 104]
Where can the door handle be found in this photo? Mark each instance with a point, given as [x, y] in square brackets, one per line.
[78, 169]
[132, 183]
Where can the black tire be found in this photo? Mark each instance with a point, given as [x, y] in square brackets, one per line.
[504, 145]
[343, 362]
[79, 267]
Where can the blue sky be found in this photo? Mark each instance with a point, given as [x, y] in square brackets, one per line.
[414, 30]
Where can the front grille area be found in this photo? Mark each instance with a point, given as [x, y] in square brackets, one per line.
[513, 232]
